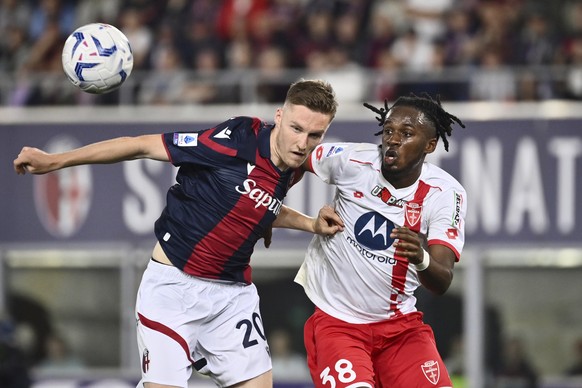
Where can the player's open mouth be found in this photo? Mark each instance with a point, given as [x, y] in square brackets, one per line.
[390, 156]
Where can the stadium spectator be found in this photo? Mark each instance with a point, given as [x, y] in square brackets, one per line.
[459, 38]
[140, 36]
[13, 13]
[90, 11]
[380, 36]
[515, 370]
[288, 365]
[492, 80]
[14, 368]
[271, 66]
[167, 81]
[60, 357]
[575, 366]
[521, 33]
[385, 85]
[346, 75]
[46, 12]
[206, 86]
[427, 18]
[412, 52]
[316, 36]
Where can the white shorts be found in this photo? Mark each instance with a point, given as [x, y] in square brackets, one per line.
[185, 321]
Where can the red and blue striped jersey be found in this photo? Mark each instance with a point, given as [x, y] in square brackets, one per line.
[228, 192]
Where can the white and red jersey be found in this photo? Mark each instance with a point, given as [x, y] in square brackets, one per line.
[357, 275]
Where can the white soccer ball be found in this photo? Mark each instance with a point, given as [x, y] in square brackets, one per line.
[97, 58]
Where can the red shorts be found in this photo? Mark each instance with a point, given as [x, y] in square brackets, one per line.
[397, 353]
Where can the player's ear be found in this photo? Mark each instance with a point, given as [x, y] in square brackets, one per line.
[431, 145]
[278, 116]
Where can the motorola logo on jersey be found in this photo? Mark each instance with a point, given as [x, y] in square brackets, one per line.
[373, 231]
[260, 196]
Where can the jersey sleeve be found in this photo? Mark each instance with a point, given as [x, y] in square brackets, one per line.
[209, 146]
[447, 221]
[328, 159]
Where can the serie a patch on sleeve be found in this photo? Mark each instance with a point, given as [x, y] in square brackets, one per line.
[186, 139]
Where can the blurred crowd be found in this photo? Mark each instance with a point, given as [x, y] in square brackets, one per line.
[231, 51]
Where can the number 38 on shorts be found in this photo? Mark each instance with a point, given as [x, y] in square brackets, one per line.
[344, 373]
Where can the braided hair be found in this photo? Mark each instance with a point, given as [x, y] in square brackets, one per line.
[432, 108]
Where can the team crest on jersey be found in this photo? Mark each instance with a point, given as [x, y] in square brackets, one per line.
[431, 371]
[186, 139]
[412, 213]
[145, 361]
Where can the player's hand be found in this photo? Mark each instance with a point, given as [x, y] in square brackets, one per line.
[34, 161]
[267, 237]
[328, 222]
[408, 244]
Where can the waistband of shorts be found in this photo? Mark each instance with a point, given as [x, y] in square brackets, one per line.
[172, 273]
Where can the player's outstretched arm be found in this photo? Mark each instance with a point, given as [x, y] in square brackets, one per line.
[327, 222]
[36, 161]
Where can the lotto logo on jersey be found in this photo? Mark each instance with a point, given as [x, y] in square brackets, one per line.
[186, 139]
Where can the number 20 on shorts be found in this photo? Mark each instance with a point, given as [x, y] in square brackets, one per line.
[343, 370]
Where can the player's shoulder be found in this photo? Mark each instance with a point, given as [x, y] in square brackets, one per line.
[245, 120]
[346, 149]
[437, 177]
[365, 154]
[238, 129]
[245, 124]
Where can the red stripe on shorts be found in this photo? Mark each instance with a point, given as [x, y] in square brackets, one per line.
[159, 327]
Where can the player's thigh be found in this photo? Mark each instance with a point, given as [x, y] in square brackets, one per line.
[412, 361]
[154, 385]
[233, 343]
[263, 381]
[165, 333]
[338, 353]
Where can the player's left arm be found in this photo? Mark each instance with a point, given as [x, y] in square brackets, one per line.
[36, 161]
[437, 277]
[327, 222]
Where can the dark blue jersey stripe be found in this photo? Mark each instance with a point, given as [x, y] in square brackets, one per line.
[228, 193]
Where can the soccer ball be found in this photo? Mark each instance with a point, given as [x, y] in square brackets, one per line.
[97, 58]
